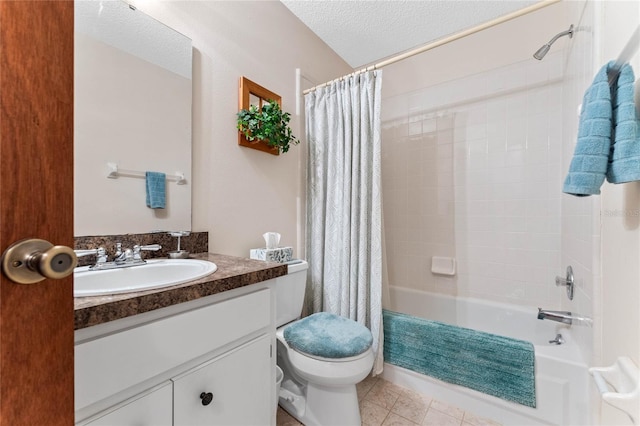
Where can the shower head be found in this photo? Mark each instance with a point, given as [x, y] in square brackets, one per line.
[545, 49]
[542, 51]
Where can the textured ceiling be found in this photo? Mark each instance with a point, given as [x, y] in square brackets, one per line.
[364, 31]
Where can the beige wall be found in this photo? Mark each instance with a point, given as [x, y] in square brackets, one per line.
[486, 50]
[239, 193]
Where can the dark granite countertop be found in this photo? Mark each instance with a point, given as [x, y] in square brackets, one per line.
[233, 272]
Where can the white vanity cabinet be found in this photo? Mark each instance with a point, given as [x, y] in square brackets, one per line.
[234, 389]
[161, 362]
[152, 408]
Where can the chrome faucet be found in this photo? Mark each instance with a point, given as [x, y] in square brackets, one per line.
[119, 256]
[564, 317]
[122, 258]
[559, 316]
[133, 256]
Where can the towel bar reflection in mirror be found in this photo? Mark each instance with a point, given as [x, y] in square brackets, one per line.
[114, 173]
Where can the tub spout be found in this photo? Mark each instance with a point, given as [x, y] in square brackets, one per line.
[564, 317]
[559, 316]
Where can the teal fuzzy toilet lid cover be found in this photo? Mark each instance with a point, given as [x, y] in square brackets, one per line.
[328, 336]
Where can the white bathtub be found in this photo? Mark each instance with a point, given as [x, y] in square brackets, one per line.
[561, 374]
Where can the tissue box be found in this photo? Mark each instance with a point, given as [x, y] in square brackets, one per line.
[280, 254]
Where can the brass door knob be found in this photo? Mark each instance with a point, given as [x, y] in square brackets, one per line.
[33, 260]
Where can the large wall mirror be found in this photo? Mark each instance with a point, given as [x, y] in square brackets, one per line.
[132, 111]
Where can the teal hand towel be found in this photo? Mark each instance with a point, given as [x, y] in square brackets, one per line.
[156, 190]
[591, 156]
[624, 161]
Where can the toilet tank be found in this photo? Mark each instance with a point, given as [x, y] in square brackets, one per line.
[289, 291]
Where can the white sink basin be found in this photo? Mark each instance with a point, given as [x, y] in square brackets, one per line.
[154, 274]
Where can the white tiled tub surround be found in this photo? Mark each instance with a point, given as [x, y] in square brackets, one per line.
[472, 170]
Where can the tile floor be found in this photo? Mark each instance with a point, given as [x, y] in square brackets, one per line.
[383, 403]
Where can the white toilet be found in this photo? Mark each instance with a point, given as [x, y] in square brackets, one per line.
[322, 356]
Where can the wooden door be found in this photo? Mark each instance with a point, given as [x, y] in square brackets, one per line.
[36, 201]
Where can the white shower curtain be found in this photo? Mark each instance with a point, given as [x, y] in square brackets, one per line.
[344, 202]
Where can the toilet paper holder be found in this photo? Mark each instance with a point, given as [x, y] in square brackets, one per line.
[624, 379]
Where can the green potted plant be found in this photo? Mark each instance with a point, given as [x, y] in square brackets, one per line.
[269, 124]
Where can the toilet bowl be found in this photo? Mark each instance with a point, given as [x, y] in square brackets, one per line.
[320, 377]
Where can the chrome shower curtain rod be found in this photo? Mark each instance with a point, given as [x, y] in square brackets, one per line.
[443, 41]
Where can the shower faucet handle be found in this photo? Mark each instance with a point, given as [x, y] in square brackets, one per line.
[567, 282]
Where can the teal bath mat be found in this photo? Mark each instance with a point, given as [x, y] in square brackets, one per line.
[492, 364]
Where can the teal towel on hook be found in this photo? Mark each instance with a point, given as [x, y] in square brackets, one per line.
[156, 190]
[591, 156]
[608, 135]
[624, 160]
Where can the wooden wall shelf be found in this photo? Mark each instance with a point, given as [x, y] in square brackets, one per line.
[251, 93]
